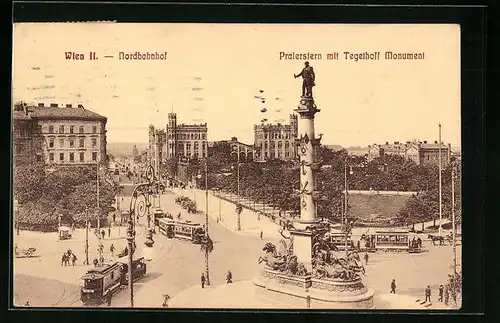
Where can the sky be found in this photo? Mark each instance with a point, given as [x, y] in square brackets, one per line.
[213, 72]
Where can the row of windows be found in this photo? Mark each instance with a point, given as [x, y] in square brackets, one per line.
[72, 157]
[188, 136]
[81, 142]
[71, 129]
[277, 135]
[272, 144]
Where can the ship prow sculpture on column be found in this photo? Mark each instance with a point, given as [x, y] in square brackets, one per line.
[309, 272]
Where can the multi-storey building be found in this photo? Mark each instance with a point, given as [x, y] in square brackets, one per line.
[27, 141]
[177, 140]
[66, 134]
[420, 152]
[276, 141]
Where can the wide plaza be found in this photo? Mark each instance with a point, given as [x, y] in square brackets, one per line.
[176, 266]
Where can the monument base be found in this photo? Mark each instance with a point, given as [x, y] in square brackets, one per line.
[309, 292]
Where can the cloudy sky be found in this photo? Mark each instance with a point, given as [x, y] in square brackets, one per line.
[361, 102]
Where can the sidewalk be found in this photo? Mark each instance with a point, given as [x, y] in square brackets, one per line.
[218, 207]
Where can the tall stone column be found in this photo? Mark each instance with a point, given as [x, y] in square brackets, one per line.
[302, 236]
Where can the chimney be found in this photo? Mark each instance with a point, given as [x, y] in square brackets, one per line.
[80, 106]
[41, 105]
[54, 105]
[425, 141]
[69, 105]
[386, 142]
[26, 110]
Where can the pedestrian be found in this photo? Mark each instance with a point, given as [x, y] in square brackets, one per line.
[366, 258]
[96, 262]
[103, 233]
[73, 259]
[261, 234]
[27, 304]
[359, 244]
[446, 294]
[109, 232]
[63, 259]
[112, 249]
[229, 277]
[393, 287]
[101, 259]
[202, 280]
[108, 297]
[428, 294]
[441, 290]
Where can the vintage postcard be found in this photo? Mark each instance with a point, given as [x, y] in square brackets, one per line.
[270, 166]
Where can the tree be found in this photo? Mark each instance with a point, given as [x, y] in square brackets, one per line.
[135, 152]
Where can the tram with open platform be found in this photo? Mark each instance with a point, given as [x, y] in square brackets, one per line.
[391, 241]
[185, 230]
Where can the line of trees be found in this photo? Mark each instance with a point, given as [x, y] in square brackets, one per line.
[277, 182]
[44, 194]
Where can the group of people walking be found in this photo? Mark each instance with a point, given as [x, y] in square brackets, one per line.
[229, 278]
[443, 293]
[68, 257]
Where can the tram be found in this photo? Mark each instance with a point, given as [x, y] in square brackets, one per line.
[185, 230]
[99, 282]
[338, 239]
[391, 241]
[139, 268]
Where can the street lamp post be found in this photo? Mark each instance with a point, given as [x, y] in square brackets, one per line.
[86, 236]
[345, 224]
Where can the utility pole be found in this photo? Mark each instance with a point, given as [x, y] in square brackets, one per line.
[440, 184]
[86, 236]
[206, 221]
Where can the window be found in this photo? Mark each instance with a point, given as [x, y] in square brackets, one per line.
[72, 143]
[51, 156]
[51, 129]
[81, 142]
[71, 129]
[94, 129]
[82, 157]
[61, 129]
[81, 129]
[94, 156]
[51, 142]
[61, 156]
[71, 157]
[203, 136]
[38, 157]
[61, 142]
[265, 136]
[94, 142]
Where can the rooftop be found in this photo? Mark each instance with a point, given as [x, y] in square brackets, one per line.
[57, 111]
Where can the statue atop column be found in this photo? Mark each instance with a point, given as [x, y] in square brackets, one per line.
[308, 78]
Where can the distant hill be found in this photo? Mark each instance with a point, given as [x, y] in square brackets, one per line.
[352, 150]
[122, 149]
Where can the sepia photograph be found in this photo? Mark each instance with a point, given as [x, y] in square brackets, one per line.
[236, 166]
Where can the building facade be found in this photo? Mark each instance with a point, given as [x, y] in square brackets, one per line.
[67, 134]
[276, 141]
[421, 152]
[27, 141]
[177, 141]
